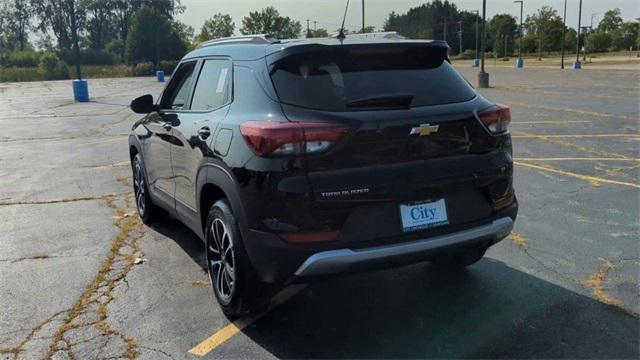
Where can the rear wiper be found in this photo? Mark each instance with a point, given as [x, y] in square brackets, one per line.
[398, 101]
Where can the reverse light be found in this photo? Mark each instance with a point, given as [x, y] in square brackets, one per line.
[496, 118]
[288, 138]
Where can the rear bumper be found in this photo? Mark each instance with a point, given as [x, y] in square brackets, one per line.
[337, 261]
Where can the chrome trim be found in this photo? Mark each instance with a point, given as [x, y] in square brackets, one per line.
[336, 261]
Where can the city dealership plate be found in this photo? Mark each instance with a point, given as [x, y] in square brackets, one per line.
[423, 215]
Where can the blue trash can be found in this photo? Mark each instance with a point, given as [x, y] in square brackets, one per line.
[160, 75]
[80, 90]
[476, 63]
[577, 65]
[520, 63]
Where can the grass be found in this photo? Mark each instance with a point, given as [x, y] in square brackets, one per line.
[19, 74]
[553, 60]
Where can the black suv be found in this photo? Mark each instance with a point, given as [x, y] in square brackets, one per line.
[301, 158]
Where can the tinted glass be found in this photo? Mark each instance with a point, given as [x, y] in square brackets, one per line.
[361, 78]
[177, 93]
[213, 88]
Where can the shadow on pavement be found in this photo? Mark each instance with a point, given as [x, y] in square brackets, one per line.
[487, 311]
[185, 238]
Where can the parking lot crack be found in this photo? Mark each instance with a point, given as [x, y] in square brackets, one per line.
[16, 350]
[521, 242]
[596, 282]
[65, 200]
[89, 314]
[158, 351]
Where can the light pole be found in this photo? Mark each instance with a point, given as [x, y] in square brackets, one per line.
[483, 77]
[476, 62]
[506, 41]
[445, 29]
[363, 16]
[520, 61]
[585, 31]
[564, 26]
[577, 65]
[460, 37]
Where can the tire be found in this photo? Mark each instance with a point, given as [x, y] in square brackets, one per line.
[234, 282]
[459, 260]
[147, 210]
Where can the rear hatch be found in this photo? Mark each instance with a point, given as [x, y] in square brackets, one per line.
[413, 138]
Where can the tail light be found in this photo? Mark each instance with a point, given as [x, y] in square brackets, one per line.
[286, 138]
[505, 202]
[496, 118]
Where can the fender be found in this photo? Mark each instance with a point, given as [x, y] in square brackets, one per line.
[218, 174]
[135, 142]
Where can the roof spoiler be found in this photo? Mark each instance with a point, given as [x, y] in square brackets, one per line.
[376, 35]
[244, 39]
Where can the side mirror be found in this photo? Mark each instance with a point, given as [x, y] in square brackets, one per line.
[143, 104]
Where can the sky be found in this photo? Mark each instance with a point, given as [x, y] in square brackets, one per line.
[328, 13]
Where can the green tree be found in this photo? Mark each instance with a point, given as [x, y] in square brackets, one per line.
[16, 17]
[499, 27]
[186, 32]
[220, 25]
[638, 37]
[64, 18]
[320, 33]
[100, 22]
[269, 21]
[123, 10]
[598, 41]
[611, 21]
[530, 43]
[116, 47]
[625, 37]
[367, 29]
[427, 21]
[67, 20]
[153, 37]
[570, 39]
[546, 24]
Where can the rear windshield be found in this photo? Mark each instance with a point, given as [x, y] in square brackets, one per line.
[357, 78]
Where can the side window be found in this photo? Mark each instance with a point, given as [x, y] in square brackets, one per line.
[177, 93]
[213, 88]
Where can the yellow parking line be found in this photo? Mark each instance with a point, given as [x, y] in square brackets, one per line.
[575, 111]
[577, 159]
[220, 337]
[596, 181]
[571, 145]
[551, 122]
[576, 136]
[229, 331]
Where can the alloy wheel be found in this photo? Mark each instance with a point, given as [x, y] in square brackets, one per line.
[221, 260]
[139, 188]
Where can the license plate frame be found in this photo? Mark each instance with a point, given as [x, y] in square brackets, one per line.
[423, 215]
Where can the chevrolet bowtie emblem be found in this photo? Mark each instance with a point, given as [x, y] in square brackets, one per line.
[424, 129]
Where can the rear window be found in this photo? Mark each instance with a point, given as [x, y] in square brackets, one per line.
[366, 78]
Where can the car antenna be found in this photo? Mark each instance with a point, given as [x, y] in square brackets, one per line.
[341, 36]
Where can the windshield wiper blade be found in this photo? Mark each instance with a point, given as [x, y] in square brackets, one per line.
[398, 101]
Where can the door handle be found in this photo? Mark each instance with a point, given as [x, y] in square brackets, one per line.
[167, 126]
[204, 132]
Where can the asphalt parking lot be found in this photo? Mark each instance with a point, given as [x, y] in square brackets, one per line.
[82, 278]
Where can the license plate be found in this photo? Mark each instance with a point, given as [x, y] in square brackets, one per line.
[423, 215]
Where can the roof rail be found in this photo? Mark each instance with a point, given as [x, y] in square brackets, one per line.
[244, 39]
[379, 35]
